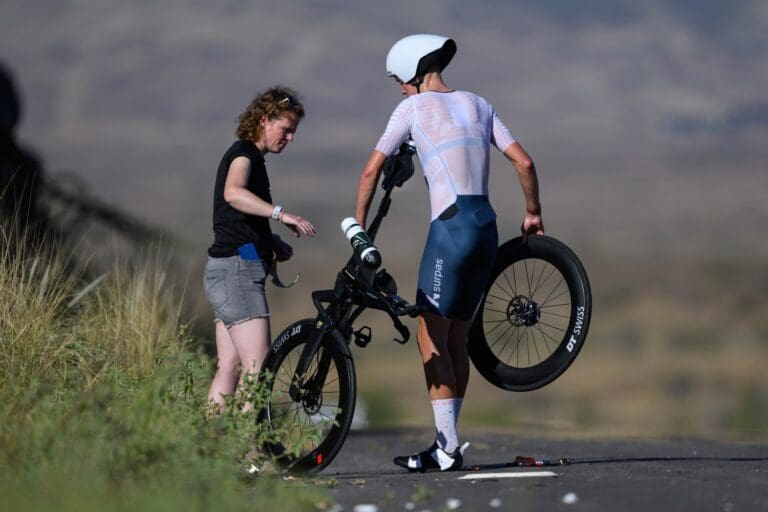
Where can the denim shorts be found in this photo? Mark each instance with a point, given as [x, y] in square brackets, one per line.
[234, 288]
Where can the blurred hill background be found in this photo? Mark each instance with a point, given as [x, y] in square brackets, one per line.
[647, 121]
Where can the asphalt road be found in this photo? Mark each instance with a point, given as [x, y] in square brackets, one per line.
[602, 475]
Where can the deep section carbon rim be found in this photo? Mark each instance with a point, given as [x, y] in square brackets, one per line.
[314, 413]
[534, 317]
[311, 425]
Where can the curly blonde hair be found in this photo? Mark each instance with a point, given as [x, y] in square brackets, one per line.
[275, 102]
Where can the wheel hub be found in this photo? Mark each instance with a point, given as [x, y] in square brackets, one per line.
[523, 311]
[312, 401]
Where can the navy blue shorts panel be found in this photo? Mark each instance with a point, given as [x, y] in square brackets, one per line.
[457, 259]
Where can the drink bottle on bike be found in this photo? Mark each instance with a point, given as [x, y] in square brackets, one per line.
[361, 243]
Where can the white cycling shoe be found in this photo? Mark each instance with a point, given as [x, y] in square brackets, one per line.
[433, 458]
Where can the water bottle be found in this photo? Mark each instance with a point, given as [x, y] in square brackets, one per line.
[361, 243]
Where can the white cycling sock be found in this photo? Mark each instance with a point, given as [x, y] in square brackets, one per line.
[446, 413]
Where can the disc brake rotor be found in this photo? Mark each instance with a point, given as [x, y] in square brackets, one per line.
[523, 311]
[312, 401]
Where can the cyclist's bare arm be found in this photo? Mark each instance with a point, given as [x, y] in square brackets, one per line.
[367, 186]
[526, 172]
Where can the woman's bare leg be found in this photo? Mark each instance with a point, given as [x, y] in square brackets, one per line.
[226, 377]
[252, 342]
[251, 339]
[245, 345]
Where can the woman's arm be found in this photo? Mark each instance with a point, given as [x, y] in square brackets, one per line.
[367, 186]
[240, 198]
[237, 194]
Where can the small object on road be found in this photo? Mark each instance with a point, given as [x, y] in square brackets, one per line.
[529, 462]
[453, 503]
[409, 505]
[366, 507]
[495, 503]
[570, 498]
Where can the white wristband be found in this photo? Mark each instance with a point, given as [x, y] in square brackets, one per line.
[277, 211]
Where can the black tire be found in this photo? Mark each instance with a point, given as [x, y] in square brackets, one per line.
[534, 315]
[329, 411]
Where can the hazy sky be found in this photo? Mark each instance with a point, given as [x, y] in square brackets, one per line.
[627, 107]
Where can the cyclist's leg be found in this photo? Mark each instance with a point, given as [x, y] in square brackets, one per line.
[475, 270]
[457, 346]
[441, 274]
[226, 377]
[441, 379]
[436, 357]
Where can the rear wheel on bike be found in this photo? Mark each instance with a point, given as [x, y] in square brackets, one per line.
[534, 316]
[310, 427]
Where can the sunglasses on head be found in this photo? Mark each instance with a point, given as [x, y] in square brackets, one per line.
[290, 100]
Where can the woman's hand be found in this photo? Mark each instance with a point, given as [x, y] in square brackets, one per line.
[282, 250]
[299, 225]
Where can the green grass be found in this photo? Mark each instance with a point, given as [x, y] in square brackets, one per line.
[383, 408]
[749, 412]
[102, 396]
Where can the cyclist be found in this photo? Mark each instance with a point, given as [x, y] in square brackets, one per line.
[453, 131]
[241, 255]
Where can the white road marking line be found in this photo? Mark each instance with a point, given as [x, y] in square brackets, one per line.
[521, 474]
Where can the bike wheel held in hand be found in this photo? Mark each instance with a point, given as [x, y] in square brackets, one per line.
[534, 315]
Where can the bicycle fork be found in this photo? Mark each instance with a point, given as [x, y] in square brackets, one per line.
[302, 384]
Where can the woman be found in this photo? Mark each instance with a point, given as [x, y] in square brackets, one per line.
[453, 131]
[241, 255]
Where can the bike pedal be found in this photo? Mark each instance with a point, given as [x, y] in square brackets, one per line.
[362, 336]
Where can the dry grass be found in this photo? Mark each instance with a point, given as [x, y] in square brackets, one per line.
[35, 289]
[136, 309]
[56, 320]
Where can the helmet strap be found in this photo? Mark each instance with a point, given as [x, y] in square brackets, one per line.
[416, 82]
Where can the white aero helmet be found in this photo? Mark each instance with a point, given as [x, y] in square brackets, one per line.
[413, 56]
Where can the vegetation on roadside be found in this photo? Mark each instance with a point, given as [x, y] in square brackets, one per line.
[102, 395]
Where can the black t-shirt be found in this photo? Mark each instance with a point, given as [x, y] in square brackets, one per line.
[233, 228]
